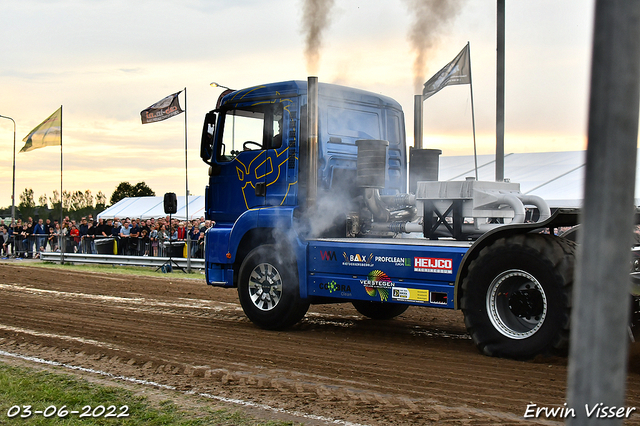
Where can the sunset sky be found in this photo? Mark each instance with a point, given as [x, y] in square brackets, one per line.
[106, 60]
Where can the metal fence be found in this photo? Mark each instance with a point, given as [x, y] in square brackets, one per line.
[109, 250]
[29, 246]
[108, 259]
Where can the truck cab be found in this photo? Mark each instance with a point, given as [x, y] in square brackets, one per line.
[259, 132]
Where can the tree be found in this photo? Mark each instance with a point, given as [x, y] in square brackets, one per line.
[66, 200]
[27, 205]
[42, 201]
[125, 189]
[101, 201]
[55, 204]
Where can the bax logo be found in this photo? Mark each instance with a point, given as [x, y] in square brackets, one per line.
[433, 264]
[357, 259]
[328, 255]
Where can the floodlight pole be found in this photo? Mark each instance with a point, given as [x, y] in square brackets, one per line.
[500, 92]
[13, 184]
[186, 182]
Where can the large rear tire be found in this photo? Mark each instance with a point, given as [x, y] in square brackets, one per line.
[379, 310]
[268, 289]
[517, 296]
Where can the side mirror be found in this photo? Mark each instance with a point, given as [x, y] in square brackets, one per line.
[206, 143]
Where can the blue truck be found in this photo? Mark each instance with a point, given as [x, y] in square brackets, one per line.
[315, 201]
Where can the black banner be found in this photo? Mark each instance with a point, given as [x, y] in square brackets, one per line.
[161, 110]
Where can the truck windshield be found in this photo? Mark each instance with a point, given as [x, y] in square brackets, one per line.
[249, 129]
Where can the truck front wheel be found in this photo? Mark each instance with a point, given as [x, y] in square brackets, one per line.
[268, 288]
[517, 296]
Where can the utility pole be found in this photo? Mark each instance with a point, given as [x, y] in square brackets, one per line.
[500, 92]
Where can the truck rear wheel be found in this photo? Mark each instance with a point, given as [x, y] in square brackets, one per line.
[517, 296]
[379, 310]
[268, 288]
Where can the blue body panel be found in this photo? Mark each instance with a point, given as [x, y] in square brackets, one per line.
[384, 272]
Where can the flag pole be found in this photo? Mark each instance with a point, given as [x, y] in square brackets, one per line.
[61, 196]
[473, 115]
[186, 182]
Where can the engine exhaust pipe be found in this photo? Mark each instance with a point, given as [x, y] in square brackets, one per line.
[312, 144]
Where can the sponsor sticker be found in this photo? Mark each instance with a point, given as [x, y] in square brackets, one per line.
[377, 279]
[397, 261]
[332, 287]
[410, 294]
[357, 259]
[433, 265]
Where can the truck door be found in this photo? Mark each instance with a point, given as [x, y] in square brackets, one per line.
[240, 165]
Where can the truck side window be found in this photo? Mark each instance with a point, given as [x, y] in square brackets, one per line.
[277, 129]
[249, 128]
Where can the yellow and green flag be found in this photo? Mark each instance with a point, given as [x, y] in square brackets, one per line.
[47, 133]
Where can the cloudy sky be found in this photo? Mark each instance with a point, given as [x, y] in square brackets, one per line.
[106, 60]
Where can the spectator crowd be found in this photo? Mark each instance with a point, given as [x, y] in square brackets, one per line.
[129, 236]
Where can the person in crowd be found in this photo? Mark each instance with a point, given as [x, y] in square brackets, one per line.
[11, 241]
[74, 233]
[115, 231]
[105, 230]
[163, 237]
[143, 242]
[91, 237]
[54, 234]
[7, 241]
[24, 241]
[124, 234]
[146, 241]
[194, 236]
[84, 241]
[153, 240]
[17, 240]
[39, 237]
[4, 239]
[182, 234]
[29, 240]
[134, 240]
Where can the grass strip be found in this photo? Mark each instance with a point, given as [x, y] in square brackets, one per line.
[53, 395]
[112, 269]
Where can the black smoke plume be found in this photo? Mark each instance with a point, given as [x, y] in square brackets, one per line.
[430, 19]
[315, 21]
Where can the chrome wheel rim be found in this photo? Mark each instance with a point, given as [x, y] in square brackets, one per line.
[265, 287]
[516, 304]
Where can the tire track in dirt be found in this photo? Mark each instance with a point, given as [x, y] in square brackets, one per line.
[418, 369]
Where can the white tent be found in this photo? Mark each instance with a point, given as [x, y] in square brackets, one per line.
[557, 177]
[153, 207]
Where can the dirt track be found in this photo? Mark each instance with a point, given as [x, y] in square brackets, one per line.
[421, 368]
